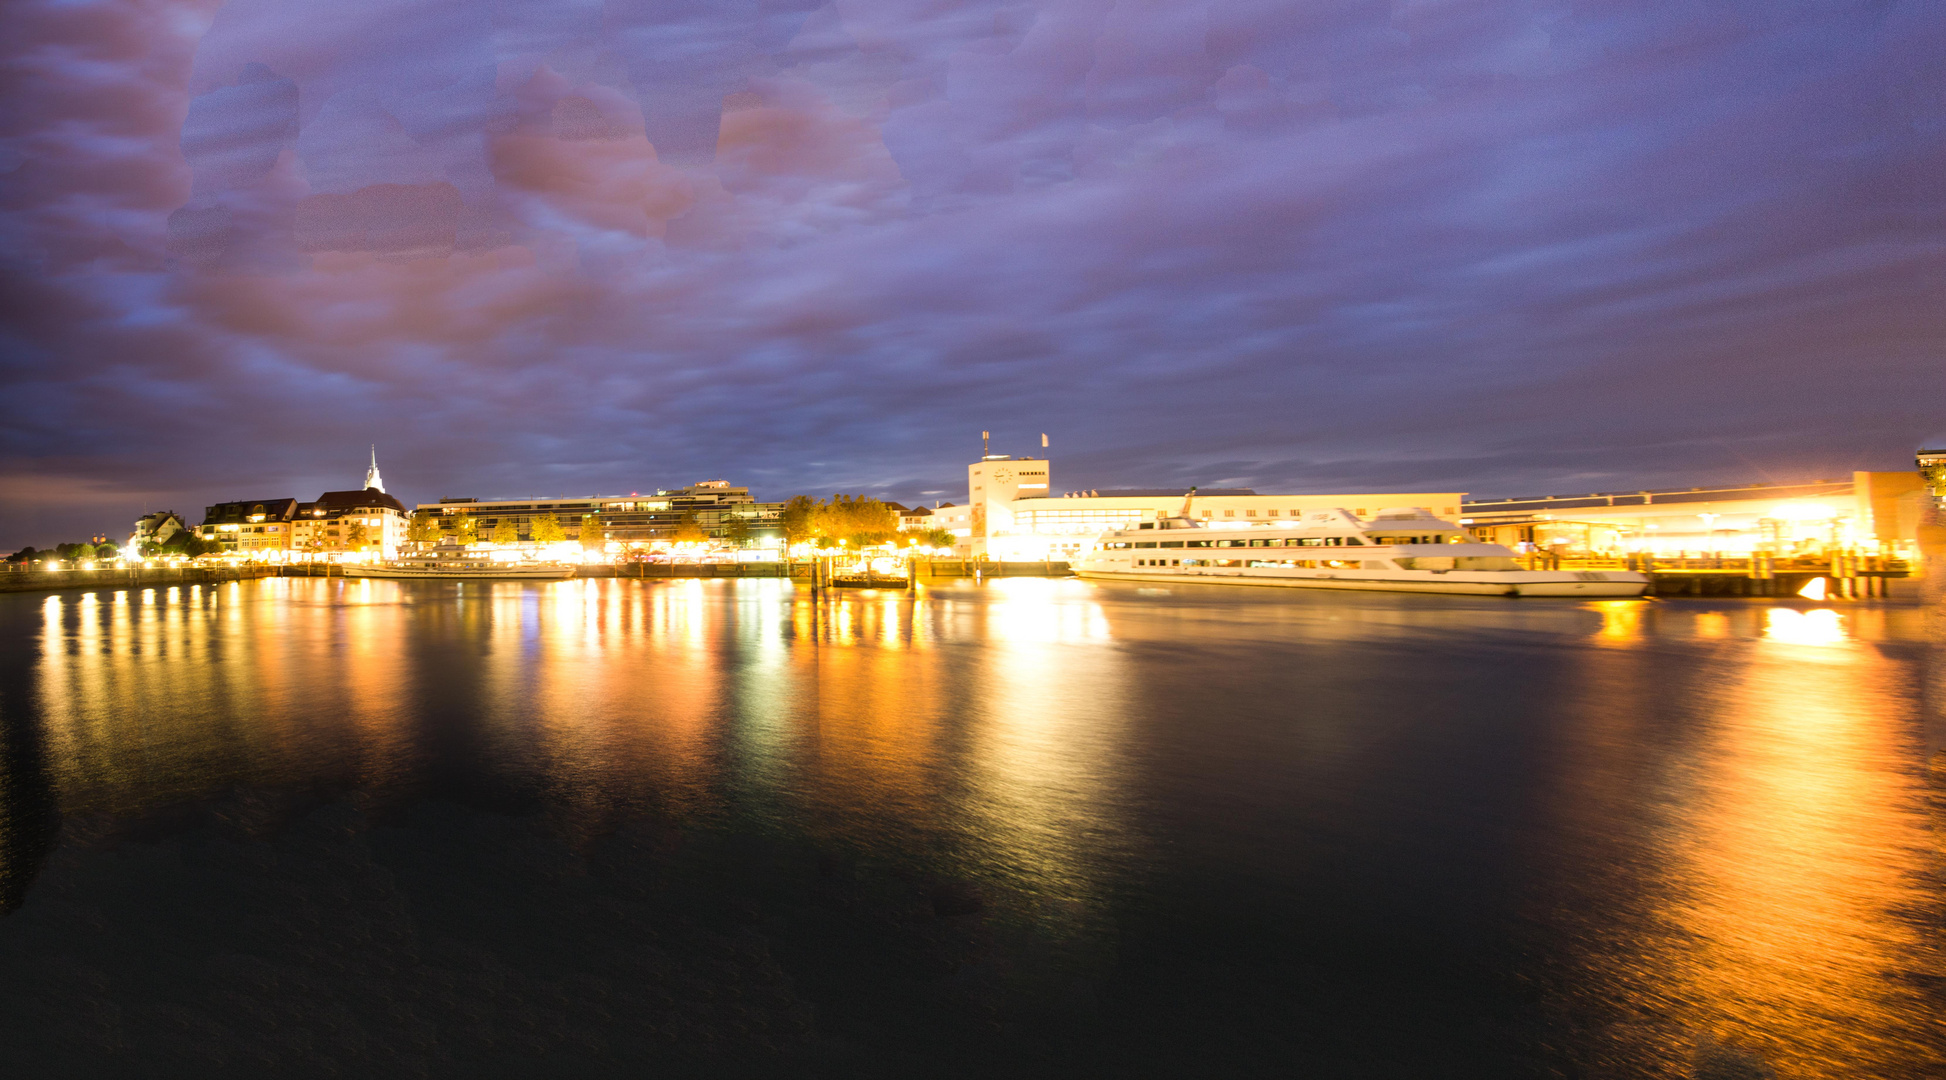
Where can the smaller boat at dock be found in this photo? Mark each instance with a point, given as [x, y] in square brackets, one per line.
[882, 572]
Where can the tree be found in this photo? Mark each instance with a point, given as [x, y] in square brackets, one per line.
[505, 531]
[25, 554]
[424, 528]
[466, 528]
[737, 530]
[689, 529]
[856, 519]
[356, 535]
[593, 536]
[76, 551]
[108, 549]
[799, 519]
[548, 530]
[939, 538]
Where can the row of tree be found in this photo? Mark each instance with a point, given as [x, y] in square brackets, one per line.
[66, 552]
[858, 520]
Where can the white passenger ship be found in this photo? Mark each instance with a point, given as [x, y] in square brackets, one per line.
[1396, 551]
[452, 561]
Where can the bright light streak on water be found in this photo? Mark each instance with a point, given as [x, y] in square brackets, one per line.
[1024, 825]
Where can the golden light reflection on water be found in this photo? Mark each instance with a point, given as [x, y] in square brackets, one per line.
[1822, 626]
[612, 695]
[1791, 910]
[997, 724]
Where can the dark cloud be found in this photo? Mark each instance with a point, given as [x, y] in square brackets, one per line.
[547, 246]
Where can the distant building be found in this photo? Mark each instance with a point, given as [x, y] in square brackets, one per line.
[156, 528]
[1013, 515]
[1878, 512]
[1932, 471]
[344, 521]
[259, 528]
[717, 508]
[917, 519]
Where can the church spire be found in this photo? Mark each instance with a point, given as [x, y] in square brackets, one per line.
[372, 479]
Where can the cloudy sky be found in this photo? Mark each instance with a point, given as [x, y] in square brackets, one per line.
[569, 246]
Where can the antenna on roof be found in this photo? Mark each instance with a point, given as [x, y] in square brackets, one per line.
[983, 444]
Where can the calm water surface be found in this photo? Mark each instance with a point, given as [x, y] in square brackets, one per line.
[297, 827]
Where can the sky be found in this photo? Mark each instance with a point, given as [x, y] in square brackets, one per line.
[555, 247]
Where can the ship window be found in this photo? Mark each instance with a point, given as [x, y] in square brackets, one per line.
[1145, 543]
[1172, 543]
[1199, 543]
[1146, 525]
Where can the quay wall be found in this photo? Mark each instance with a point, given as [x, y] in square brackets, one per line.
[127, 577]
[928, 569]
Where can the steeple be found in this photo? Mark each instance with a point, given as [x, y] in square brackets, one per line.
[372, 479]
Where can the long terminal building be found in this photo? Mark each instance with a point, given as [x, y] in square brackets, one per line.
[1011, 512]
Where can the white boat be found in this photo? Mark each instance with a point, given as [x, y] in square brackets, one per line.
[1396, 551]
[450, 561]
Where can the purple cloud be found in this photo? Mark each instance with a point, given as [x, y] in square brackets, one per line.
[541, 247]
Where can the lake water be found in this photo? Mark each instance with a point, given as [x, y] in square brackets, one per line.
[1028, 828]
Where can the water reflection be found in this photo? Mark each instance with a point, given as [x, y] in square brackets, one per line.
[1726, 795]
[1819, 627]
[1800, 854]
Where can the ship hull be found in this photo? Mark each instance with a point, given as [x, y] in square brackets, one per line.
[1606, 585]
[548, 573]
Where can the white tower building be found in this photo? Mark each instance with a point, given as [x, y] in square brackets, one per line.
[372, 478]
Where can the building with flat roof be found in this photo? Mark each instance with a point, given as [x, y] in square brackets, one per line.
[1012, 513]
[1872, 512]
[719, 509]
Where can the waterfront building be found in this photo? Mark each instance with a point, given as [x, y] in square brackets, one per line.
[957, 520]
[155, 528]
[1932, 471]
[917, 519]
[1871, 512]
[258, 528]
[1013, 515]
[349, 521]
[716, 507]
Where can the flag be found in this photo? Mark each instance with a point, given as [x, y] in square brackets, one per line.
[1043, 440]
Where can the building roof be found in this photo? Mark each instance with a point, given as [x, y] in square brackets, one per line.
[242, 510]
[1655, 498]
[1166, 493]
[332, 501]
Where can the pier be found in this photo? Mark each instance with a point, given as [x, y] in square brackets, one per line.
[123, 577]
[1853, 577]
